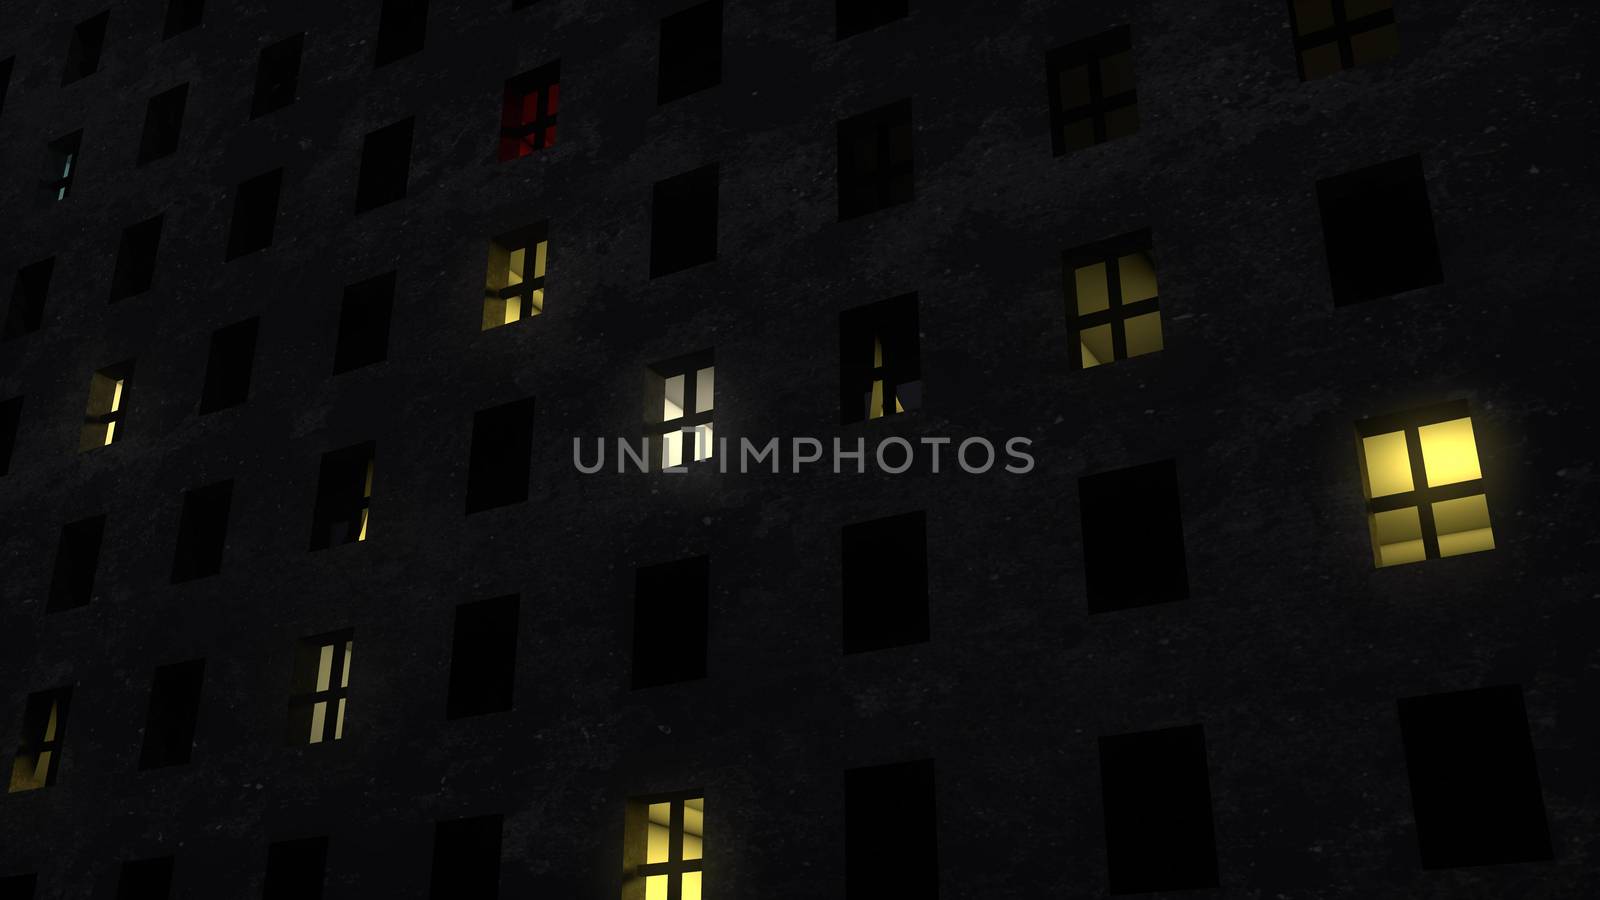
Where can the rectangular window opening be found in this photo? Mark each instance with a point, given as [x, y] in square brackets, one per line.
[174, 711]
[528, 111]
[320, 688]
[1133, 550]
[182, 15]
[1333, 35]
[466, 858]
[25, 315]
[1156, 790]
[876, 169]
[514, 289]
[483, 657]
[884, 581]
[44, 728]
[135, 270]
[18, 887]
[296, 869]
[344, 496]
[228, 366]
[163, 123]
[891, 831]
[6, 66]
[1092, 95]
[855, 16]
[10, 422]
[385, 165]
[1113, 306]
[61, 166]
[880, 360]
[83, 52]
[277, 75]
[1424, 486]
[202, 532]
[77, 560]
[679, 404]
[671, 604]
[691, 51]
[146, 879]
[683, 221]
[255, 211]
[663, 855]
[103, 420]
[502, 449]
[364, 315]
[1377, 228]
[402, 29]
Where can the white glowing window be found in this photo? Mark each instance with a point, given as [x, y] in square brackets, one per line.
[665, 853]
[321, 686]
[1424, 486]
[678, 426]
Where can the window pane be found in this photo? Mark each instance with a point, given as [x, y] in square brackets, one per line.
[704, 383]
[694, 828]
[658, 839]
[691, 886]
[1388, 466]
[1075, 87]
[1138, 276]
[1355, 9]
[1397, 536]
[1090, 287]
[1449, 453]
[1463, 525]
[1313, 15]
[1321, 61]
[1096, 345]
[655, 887]
[1116, 74]
[1144, 334]
[1375, 45]
[673, 407]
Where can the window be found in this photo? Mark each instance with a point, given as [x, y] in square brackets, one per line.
[277, 75]
[1425, 491]
[875, 165]
[61, 165]
[296, 869]
[169, 724]
[146, 879]
[83, 53]
[18, 887]
[202, 532]
[228, 366]
[182, 15]
[6, 65]
[320, 687]
[1378, 228]
[344, 496]
[77, 559]
[885, 582]
[890, 832]
[135, 270]
[670, 611]
[466, 858]
[856, 16]
[1092, 97]
[255, 210]
[502, 447]
[1333, 35]
[1133, 551]
[10, 420]
[683, 221]
[880, 363]
[528, 112]
[663, 854]
[385, 165]
[25, 315]
[1156, 789]
[515, 291]
[364, 323]
[402, 27]
[678, 403]
[1474, 779]
[44, 727]
[108, 399]
[1112, 301]
[483, 657]
[691, 51]
[163, 122]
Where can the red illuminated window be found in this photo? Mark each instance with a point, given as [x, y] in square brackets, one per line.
[528, 116]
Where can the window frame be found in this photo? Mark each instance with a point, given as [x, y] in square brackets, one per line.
[881, 177]
[305, 695]
[657, 426]
[121, 377]
[65, 155]
[637, 868]
[1117, 313]
[516, 125]
[1421, 496]
[44, 715]
[528, 240]
[1091, 52]
[1342, 32]
[885, 368]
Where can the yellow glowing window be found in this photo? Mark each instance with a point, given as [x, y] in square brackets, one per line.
[107, 396]
[1424, 486]
[515, 286]
[664, 854]
[44, 724]
[880, 360]
[1112, 302]
[1333, 35]
[680, 405]
[321, 686]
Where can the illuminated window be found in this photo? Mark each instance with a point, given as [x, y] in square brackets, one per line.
[202, 532]
[1092, 96]
[385, 165]
[402, 28]
[77, 559]
[515, 287]
[876, 170]
[1377, 227]
[61, 165]
[255, 212]
[1155, 788]
[182, 15]
[1133, 552]
[483, 657]
[296, 869]
[25, 315]
[108, 399]
[10, 421]
[856, 16]
[277, 75]
[232, 356]
[891, 832]
[44, 726]
[466, 858]
[146, 879]
[528, 111]
[880, 360]
[320, 687]
[1333, 35]
[670, 607]
[83, 53]
[163, 123]
[663, 856]
[691, 51]
[502, 448]
[678, 410]
[885, 582]
[344, 496]
[1112, 302]
[135, 270]
[683, 221]
[1425, 491]
[174, 710]
[363, 338]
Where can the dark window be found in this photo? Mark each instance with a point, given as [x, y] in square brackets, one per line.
[680, 397]
[344, 495]
[202, 532]
[232, 356]
[1474, 780]
[483, 658]
[880, 363]
[522, 4]
[135, 270]
[670, 611]
[163, 122]
[515, 287]
[1378, 227]
[502, 446]
[885, 582]
[25, 315]
[364, 323]
[320, 687]
[875, 165]
[44, 727]
[10, 420]
[174, 710]
[683, 221]
[182, 15]
[1113, 306]
[83, 53]
[1157, 795]
[1333, 35]
[277, 75]
[18, 887]
[691, 51]
[296, 869]
[146, 879]
[402, 28]
[891, 832]
[1132, 537]
[77, 559]
[466, 859]
[856, 16]
[61, 166]
[104, 418]
[385, 165]
[1092, 97]
[6, 65]
[255, 210]
[664, 846]
[528, 111]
